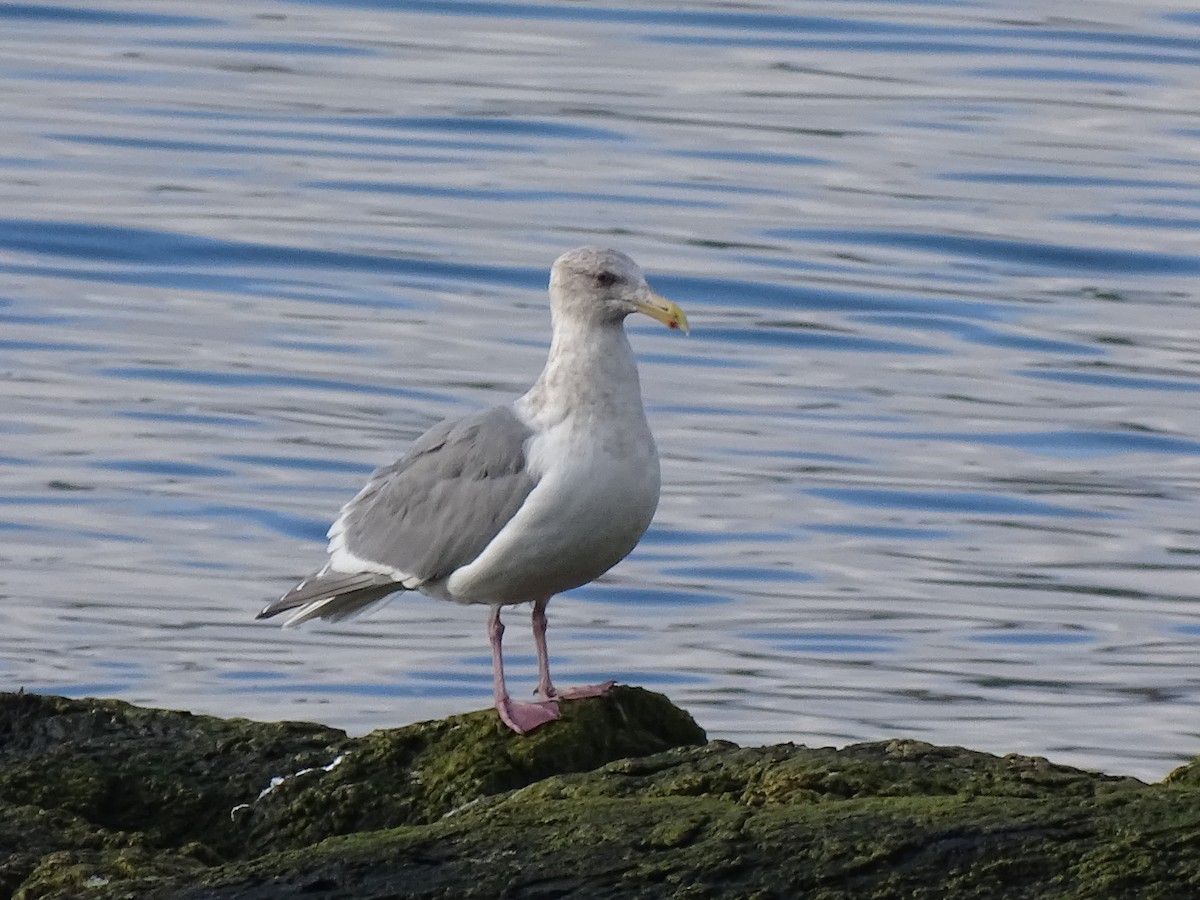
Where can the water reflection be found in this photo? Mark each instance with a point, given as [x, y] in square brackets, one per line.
[929, 457]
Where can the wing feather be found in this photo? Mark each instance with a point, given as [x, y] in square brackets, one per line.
[437, 508]
[421, 518]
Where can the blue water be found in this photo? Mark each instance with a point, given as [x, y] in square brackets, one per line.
[931, 456]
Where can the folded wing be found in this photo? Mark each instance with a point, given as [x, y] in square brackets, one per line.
[419, 519]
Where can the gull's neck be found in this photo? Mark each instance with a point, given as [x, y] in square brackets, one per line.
[590, 370]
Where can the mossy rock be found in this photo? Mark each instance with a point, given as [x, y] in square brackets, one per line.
[420, 773]
[170, 775]
[72, 873]
[885, 820]
[94, 792]
[620, 798]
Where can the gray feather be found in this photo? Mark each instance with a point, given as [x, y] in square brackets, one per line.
[325, 585]
[438, 507]
[342, 606]
[425, 516]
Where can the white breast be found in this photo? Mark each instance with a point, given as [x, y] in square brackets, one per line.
[597, 494]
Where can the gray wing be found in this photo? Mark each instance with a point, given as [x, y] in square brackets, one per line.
[424, 516]
[331, 595]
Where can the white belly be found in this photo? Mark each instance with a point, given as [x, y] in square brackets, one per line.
[593, 503]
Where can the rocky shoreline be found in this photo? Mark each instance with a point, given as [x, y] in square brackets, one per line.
[624, 797]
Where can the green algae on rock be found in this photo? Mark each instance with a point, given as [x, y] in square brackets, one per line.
[92, 782]
[170, 775]
[897, 819]
[417, 774]
[619, 799]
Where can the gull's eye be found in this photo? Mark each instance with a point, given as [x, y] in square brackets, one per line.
[605, 279]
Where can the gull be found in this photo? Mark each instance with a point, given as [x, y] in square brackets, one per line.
[520, 502]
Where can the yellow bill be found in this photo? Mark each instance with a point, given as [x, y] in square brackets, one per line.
[663, 310]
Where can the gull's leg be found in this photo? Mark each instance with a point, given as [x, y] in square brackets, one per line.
[545, 688]
[520, 717]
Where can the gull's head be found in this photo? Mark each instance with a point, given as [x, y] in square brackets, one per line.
[599, 285]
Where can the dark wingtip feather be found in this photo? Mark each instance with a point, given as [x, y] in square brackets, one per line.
[328, 585]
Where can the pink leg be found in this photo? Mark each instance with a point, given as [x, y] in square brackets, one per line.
[545, 688]
[520, 717]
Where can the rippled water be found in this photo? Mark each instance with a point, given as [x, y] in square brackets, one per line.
[930, 456]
